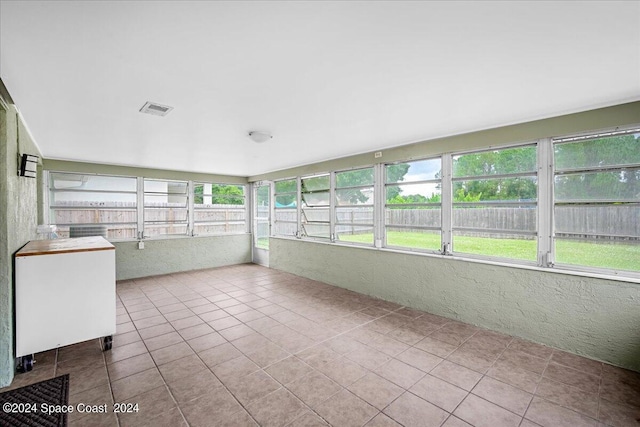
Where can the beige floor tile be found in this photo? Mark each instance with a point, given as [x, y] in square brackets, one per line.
[582, 364]
[136, 384]
[288, 370]
[457, 422]
[619, 414]
[343, 371]
[278, 409]
[154, 331]
[317, 356]
[171, 353]
[381, 420]
[548, 414]
[117, 354]
[205, 342]
[162, 341]
[572, 377]
[346, 409]
[368, 357]
[400, 373]
[504, 395]
[437, 347]
[376, 390]
[191, 386]
[220, 354]
[515, 376]
[166, 365]
[177, 369]
[251, 387]
[150, 404]
[457, 375]
[234, 368]
[308, 419]
[412, 411]
[215, 404]
[314, 388]
[481, 413]
[569, 397]
[439, 392]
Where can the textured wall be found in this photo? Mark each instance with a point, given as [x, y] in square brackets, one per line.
[592, 317]
[180, 254]
[18, 221]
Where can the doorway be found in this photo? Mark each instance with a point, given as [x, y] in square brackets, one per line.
[261, 222]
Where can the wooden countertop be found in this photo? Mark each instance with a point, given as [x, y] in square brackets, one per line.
[61, 246]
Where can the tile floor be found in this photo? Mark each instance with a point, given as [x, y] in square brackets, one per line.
[246, 346]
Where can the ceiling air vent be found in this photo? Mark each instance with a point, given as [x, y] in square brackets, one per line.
[156, 109]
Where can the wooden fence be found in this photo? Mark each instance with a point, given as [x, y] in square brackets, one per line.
[162, 218]
[617, 222]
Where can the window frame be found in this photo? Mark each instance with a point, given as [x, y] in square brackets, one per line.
[555, 171]
[384, 204]
[49, 189]
[188, 207]
[334, 211]
[295, 194]
[195, 208]
[536, 144]
[330, 206]
[139, 204]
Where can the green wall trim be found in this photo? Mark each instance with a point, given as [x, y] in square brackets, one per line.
[104, 169]
[163, 256]
[601, 118]
[596, 318]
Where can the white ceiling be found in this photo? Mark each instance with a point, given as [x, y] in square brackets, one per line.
[327, 79]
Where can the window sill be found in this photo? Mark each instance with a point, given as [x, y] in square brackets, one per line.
[561, 269]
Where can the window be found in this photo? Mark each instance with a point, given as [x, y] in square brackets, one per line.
[354, 197]
[315, 206]
[285, 208]
[494, 203]
[413, 204]
[597, 201]
[166, 208]
[92, 204]
[218, 208]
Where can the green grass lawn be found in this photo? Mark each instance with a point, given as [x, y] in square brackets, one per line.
[615, 256]
[263, 243]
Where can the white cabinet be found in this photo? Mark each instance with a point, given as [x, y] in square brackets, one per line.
[65, 293]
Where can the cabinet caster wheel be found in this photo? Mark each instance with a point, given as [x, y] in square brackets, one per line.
[107, 343]
[25, 364]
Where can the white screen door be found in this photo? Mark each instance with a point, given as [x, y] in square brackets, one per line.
[261, 223]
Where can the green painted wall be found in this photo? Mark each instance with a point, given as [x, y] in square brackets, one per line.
[592, 317]
[165, 256]
[18, 222]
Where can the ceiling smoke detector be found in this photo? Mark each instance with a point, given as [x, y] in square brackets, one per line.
[156, 109]
[259, 137]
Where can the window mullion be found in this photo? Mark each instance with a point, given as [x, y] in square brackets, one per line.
[446, 200]
[299, 207]
[332, 206]
[545, 203]
[190, 208]
[140, 206]
[379, 202]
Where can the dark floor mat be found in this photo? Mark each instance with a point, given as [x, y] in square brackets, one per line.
[23, 407]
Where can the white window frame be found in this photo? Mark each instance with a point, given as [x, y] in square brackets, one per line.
[193, 208]
[384, 204]
[49, 209]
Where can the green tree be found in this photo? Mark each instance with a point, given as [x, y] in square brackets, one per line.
[622, 184]
[481, 167]
[220, 194]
